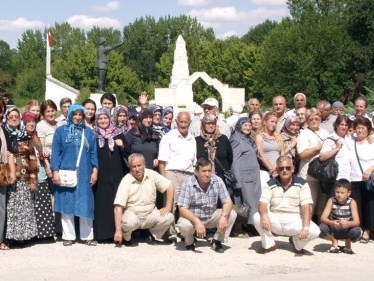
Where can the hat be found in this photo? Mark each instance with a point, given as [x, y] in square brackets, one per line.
[211, 102]
[237, 108]
[337, 104]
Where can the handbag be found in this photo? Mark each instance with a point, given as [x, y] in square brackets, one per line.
[369, 185]
[4, 174]
[324, 170]
[69, 178]
[229, 177]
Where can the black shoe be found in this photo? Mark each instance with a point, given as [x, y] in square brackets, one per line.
[127, 243]
[263, 251]
[217, 246]
[150, 240]
[298, 252]
[190, 247]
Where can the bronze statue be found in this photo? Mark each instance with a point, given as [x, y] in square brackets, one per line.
[103, 60]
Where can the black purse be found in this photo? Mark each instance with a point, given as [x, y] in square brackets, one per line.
[324, 170]
[229, 177]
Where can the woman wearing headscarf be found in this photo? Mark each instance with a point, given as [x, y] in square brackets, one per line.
[42, 195]
[120, 117]
[76, 201]
[289, 133]
[21, 220]
[7, 159]
[166, 119]
[246, 169]
[213, 145]
[143, 139]
[110, 141]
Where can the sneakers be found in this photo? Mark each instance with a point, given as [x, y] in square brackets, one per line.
[265, 251]
[217, 246]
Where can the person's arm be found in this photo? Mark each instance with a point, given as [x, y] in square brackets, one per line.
[169, 201]
[306, 215]
[264, 216]
[324, 155]
[12, 168]
[199, 226]
[118, 212]
[93, 178]
[226, 210]
[355, 217]
[161, 167]
[326, 213]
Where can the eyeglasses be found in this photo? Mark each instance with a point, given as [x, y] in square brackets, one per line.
[288, 168]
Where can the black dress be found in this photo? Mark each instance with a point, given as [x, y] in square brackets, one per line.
[112, 169]
[223, 153]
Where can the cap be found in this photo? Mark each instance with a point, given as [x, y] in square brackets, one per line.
[237, 108]
[211, 102]
[337, 104]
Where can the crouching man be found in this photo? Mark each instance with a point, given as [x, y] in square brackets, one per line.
[135, 203]
[198, 207]
[285, 209]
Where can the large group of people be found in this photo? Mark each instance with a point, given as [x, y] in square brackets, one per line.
[161, 173]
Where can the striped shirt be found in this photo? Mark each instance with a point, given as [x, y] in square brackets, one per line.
[202, 203]
[341, 211]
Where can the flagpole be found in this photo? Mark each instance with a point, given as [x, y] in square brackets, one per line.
[48, 59]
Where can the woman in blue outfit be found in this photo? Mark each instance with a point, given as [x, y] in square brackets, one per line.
[246, 169]
[78, 201]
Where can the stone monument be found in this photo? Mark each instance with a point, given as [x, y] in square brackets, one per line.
[180, 94]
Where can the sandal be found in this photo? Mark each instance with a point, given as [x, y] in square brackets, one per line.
[364, 240]
[333, 250]
[348, 251]
[4, 246]
[90, 242]
[67, 243]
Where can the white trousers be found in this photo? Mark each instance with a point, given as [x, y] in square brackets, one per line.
[68, 228]
[285, 227]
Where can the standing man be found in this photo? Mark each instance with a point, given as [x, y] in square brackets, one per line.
[327, 118]
[285, 209]
[279, 107]
[211, 106]
[103, 60]
[198, 207]
[301, 114]
[299, 101]
[177, 156]
[135, 203]
[65, 103]
[360, 108]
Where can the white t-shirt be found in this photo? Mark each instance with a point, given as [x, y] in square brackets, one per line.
[46, 131]
[365, 153]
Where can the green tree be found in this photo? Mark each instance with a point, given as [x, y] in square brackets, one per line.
[6, 71]
[256, 35]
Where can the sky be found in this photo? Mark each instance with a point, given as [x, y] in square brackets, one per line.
[226, 17]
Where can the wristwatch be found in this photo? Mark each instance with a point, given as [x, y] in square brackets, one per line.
[224, 215]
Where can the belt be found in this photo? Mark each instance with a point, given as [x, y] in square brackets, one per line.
[180, 172]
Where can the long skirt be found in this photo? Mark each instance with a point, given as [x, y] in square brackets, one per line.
[43, 211]
[21, 221]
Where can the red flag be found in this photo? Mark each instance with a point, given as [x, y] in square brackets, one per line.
[49, 38]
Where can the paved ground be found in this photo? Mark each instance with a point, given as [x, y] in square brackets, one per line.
[172, 262]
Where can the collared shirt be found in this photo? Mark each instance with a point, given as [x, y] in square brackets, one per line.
[286, 202]
[177, 151]
[139, 196]
[202, 203]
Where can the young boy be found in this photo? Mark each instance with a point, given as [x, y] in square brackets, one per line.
[340, 219]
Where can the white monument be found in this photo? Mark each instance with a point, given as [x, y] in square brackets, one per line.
[180, 94]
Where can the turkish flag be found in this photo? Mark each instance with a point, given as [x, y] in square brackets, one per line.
[49, 38]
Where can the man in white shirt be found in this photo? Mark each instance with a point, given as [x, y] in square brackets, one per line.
[299, 101]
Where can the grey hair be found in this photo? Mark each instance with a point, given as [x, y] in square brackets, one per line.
[283, 158]
[134, 156]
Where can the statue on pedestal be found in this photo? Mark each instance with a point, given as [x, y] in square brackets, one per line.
[103, 60]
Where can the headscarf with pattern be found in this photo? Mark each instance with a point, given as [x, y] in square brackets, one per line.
[69, 121]
[105, 133]
[116, 111]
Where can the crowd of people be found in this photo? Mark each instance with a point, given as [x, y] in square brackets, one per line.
[160, 173]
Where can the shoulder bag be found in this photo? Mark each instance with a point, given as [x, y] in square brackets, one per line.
[324, 170]
[69, 178]
[229, 177]
[369, 185]
[4, 166]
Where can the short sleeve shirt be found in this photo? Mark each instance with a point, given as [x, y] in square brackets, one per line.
[140, 197]
[286, 202]
[202, 203]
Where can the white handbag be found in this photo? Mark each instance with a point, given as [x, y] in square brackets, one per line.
[69, 178]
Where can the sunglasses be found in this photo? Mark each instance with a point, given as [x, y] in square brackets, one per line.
[288, 168]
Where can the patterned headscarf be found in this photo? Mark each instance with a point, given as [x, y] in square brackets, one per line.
[289, 121]
[210, 138]
[116, 111]
[105, 133]
[69, 121]
[27, 117]
[238, 130]
[166, 111]
[19, 133]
